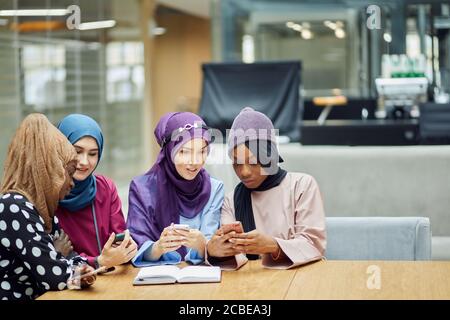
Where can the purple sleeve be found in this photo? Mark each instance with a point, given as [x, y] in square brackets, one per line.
[139, 214]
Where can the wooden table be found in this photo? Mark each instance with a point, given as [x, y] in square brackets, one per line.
[320, 280]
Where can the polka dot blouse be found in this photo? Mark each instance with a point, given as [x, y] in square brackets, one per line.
[29, 263]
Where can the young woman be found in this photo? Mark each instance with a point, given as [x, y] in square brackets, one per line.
[177, 190]
[281, 212]
[91, 215]
[37, 174]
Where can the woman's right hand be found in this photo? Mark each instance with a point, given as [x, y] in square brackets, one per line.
[87, 281]
[219, 245]
[84, 277]
[167, 242]
[115, 255]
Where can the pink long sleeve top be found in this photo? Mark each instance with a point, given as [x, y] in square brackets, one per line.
[80, 227]
[293, 214]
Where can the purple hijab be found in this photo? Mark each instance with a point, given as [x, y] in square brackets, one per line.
[176, 195]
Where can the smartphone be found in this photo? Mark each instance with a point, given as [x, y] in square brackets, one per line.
[181, 226]
[119, 237]
[235, 226]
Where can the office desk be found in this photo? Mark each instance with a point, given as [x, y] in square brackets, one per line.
[320, 280]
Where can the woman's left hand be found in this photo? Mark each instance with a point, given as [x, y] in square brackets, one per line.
[63, 244]
[254, 242]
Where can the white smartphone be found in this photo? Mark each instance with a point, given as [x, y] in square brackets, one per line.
[181, 226]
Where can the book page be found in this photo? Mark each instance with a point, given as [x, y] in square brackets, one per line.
[199, 274]
[158, 271]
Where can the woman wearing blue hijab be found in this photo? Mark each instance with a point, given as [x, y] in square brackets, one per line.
[91, 215]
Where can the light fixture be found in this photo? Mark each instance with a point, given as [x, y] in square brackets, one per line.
[155, 30]
[330, 24]
[306, 34]
[387, 37]
[97, 25]
[297, 27]
[158, 31]
[33, 12]
[294, 26]
[248, 49]
[290, 24]
[339, 33]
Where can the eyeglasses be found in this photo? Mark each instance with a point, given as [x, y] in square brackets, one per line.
[177, 132]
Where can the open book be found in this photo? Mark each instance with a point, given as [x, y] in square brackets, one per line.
[172, 274]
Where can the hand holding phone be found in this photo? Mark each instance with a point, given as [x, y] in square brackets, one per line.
[234, 226]
[182, 229]
[119, 237]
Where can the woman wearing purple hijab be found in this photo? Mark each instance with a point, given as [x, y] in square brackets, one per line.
[176, 190]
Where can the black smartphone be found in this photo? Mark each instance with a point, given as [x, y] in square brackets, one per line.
[119, 237]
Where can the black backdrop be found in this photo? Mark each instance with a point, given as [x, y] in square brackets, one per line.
[269, 87]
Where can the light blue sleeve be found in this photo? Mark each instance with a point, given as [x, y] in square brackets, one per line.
[140, 260]
[210, 220]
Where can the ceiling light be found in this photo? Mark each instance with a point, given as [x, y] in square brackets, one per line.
[158, 31]
[97, 25]
[387, 37]
[307, 34]
[297, 27]
[33, 12]
[339, 33]
[330, 24]
[290, 24]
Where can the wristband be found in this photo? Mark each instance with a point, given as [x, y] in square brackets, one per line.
[96, 264]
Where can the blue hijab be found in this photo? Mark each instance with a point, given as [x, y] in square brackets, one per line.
[75, 127]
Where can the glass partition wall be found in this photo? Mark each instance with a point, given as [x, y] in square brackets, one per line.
[47, 68]
[340, 43]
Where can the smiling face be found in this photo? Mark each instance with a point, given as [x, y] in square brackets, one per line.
[247, 167]
[190, 158]
[87, 156]
[68, 182]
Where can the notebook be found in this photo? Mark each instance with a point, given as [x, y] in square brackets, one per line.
[172, 274]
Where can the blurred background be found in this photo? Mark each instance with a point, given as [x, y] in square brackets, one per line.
[372, 84]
